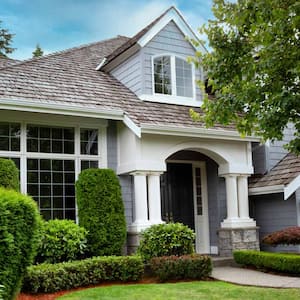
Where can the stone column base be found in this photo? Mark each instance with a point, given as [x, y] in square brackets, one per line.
[231, 239]
[133, 241]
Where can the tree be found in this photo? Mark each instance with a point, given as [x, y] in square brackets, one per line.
[38, 51]
[5, 42]
[254, 67]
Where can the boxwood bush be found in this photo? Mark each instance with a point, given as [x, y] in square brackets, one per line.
[19, 224]
[101, 211]
[61, 240]
[282, 262]
[9, 174]
[166, 240]
[47, 278]
[195, 266]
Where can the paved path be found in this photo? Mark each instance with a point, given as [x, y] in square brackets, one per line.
[255, 278]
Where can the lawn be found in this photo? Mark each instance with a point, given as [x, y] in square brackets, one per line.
[214, 290]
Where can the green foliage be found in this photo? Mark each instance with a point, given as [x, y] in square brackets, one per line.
[286, 236]
[254, 67]
[38, 51]
[9, 174]
[46, 278]
[282, 262]
[19, 224]
[193, 266]
[61, 240]
[1, 291]
[101, 211]
[5, 42]
[166, 240]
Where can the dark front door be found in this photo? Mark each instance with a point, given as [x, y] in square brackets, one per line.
[177, 194]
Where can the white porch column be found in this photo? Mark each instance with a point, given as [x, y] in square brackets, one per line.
[154, 198]
[140, 202]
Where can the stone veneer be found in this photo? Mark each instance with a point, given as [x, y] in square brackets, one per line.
[231, 239]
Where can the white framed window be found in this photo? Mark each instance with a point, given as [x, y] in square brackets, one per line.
[50, 159]
[173, 76]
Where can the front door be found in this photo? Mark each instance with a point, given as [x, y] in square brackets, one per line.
[184, 199]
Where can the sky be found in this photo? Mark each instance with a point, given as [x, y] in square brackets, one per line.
[60, 24]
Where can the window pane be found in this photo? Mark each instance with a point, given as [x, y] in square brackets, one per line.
[50, 139]
[184, 79]
[10, 136]
[162, 75]
[51, 182]
[89, 141]
[87, 164]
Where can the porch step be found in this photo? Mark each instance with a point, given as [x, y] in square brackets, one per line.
[219, 261]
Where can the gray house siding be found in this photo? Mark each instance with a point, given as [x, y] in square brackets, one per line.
[272, 213]
[129, 73]
[112, 162]
[169, 40]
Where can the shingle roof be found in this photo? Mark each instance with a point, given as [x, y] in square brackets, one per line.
[6, 62]
[69, 78]
[282, 174]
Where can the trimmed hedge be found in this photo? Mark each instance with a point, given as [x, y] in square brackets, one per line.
[282, 262]
[9, 174]
[166, 240]
[61, 241]
[286, 236]
[101, 211]
[193, 266]
[47, 278]
[19, 225]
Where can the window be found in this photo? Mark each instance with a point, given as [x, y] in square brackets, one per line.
[88, 164]
[173, 76]
[89, 141]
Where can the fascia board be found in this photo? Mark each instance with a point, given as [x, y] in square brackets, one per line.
[196, 132]
[264, 190]
[291, 187]
[61, 109]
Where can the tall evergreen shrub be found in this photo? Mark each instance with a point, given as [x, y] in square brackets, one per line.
[9, 174]
[19, 226]
[101, 211]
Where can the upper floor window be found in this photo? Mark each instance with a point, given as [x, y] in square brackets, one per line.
[173, 76]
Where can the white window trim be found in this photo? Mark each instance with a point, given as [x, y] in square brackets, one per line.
[173, 98]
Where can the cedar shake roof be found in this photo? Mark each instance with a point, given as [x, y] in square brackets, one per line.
[6, 62]
[282, 174]
[69, 78]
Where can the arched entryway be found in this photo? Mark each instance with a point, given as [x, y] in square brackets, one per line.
[188, 197]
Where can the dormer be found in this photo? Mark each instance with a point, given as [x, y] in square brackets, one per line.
[154, 63]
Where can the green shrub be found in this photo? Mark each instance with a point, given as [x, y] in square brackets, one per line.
[9, 174]
[193, 266]
[46, 278]
[61, 240]
[282, 262]
[166, 240]
[19, 223]
[286, 236]
[101, 211]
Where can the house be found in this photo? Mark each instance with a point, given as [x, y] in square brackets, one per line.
[124, 103]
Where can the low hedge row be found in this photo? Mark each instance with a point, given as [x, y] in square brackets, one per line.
[282, 262]
[194, 266]
[46, 278]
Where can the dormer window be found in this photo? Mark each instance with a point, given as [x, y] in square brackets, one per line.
[173, 75]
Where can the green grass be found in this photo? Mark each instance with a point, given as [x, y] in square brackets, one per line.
[207, 290]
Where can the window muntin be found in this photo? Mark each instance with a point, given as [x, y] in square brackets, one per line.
[162, 75]
[51, 182]
[50, 139]
[184, 78]
[10, 136]
[173, 75]
[89, 141]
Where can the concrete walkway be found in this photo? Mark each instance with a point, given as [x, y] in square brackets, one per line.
[256, 278]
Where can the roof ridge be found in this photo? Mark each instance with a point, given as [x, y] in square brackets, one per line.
[62, 52]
